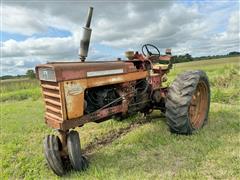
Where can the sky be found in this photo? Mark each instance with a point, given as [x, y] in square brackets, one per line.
[36, 32]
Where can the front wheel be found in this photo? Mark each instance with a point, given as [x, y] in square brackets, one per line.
[52, 146]
[187, 102]
[78, 161]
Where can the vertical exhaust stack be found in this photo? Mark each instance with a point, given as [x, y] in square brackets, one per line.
[84, 43]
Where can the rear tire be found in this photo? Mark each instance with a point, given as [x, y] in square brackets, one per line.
[187, 102]
[52, 146]
[74, 151]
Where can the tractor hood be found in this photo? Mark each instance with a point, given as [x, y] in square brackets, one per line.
[62, 71]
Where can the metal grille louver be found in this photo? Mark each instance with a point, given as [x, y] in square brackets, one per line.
[52, 98]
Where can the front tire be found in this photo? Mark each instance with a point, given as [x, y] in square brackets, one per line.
[74, 151]
[187, 102]
[52, 147]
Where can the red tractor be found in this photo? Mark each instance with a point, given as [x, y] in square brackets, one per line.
[76, 93]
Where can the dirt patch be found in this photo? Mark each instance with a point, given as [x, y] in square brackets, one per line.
[115, 134]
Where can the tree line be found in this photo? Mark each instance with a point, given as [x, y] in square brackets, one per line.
[29, 74]
[187, 57]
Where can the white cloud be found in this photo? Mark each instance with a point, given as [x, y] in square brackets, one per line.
[217, 43]
[20, 56]
[232, 32]
[21, 20]
[165, 28]
[41, 47]
[26, 21]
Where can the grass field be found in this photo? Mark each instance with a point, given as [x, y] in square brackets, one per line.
[19, 89]
[131, 149]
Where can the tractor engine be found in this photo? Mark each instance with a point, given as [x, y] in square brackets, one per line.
[134, 94]
[99, 97]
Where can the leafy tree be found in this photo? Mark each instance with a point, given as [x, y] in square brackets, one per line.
[188, 57]
[234, 53]
[30, 74]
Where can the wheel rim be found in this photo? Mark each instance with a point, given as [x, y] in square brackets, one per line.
[199, 105]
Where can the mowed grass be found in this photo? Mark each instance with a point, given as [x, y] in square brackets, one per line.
[148, 151]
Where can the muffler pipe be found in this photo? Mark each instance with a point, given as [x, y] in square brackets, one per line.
[85, 41]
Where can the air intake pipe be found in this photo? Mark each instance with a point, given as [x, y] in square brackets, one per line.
[84, 43]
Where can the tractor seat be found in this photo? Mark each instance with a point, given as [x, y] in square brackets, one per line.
[164, 62]
[163, 66]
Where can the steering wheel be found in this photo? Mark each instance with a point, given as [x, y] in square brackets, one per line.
[146, 47]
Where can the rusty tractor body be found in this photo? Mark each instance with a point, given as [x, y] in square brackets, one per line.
[76, 93]
[110, 86]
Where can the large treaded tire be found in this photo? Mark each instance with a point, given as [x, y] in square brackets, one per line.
[74, 151]
[52, 145]
[179, 99]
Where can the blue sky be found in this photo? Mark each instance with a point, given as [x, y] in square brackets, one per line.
[37, 32]
[50, 32]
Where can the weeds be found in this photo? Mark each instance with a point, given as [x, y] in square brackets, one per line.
[17, 90]
[21, 94]
[228, 78]
[18, 84]
[225, 86]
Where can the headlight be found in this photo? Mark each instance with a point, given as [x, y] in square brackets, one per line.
[47, 74]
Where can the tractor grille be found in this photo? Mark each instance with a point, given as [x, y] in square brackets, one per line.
[52, 98]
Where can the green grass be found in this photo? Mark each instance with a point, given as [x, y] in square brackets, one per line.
[223, 74]
[19, 89]
[148, 151]
[16, 84]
